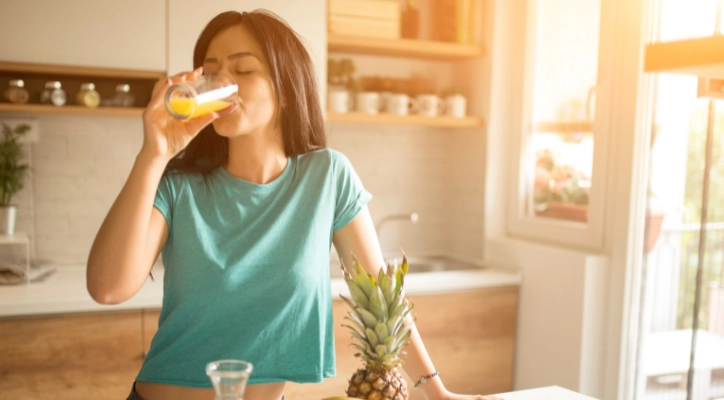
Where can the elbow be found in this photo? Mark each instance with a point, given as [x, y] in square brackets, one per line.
[104, 297]
[103, 293]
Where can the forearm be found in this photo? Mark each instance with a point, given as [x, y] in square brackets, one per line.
[418, 364]
[115, 267]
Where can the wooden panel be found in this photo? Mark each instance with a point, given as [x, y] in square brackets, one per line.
[70, 110]
[150, 326]
[703, 57]
[403, 48]
[391, 119]
[564, 127]
[470, 337]
[47, 69]
[374, 9]
[86, 356]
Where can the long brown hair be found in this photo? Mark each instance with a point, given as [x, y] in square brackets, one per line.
[295, 85]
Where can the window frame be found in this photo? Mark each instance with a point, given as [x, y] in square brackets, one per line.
[587, 235]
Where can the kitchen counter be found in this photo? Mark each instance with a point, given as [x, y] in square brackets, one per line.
[65, 290]
[544, 393]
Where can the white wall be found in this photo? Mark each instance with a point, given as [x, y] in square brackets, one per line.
[79, 166]
[561, 314]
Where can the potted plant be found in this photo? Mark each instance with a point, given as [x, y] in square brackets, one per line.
[561, 191]
[12, 174]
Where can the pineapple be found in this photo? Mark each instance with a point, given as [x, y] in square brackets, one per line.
[378, 311]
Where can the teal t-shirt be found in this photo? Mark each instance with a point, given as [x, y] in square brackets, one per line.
[247, 271]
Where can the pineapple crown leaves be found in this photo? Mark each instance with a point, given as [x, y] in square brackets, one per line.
[378, 310]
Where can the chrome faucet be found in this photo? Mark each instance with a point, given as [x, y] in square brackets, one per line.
[404, 217]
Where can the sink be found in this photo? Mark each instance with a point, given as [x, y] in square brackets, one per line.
[417, 265]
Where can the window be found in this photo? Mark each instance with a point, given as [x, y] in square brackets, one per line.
[559, 166]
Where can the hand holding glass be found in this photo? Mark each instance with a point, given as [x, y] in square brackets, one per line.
[197, 97]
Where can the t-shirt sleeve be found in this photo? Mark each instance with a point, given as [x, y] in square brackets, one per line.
[351, 194]
[164, 199]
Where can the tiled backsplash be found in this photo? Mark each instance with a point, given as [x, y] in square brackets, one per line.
[81, 163]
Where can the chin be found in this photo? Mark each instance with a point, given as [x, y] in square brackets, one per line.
[228, 127]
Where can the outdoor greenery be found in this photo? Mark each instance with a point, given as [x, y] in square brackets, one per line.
[714, 249]
[12, 169]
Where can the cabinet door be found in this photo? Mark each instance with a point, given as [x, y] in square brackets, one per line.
[128, 34]
[86, 356]
[150, 327]
[470, 337]
[187, 19]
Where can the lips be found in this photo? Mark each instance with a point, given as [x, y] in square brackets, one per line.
[227, 110]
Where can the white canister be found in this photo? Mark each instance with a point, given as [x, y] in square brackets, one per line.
[339, 101]
[456, 105]
[368, 102]
[429, 105]
[401, 104]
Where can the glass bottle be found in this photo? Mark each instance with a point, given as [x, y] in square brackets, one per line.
[208, 93]
[123, 97]
[88, 96]
[410, 21]
[16, 92]
[53, 94]
[229, 378]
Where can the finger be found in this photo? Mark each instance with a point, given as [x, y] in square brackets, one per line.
[194, 126]
[186, 75]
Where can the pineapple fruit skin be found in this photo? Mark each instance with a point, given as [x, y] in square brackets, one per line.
[377, 385]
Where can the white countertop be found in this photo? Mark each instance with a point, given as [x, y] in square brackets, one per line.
[65, 291]
[544, 393]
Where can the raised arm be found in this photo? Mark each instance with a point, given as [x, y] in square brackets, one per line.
[134, 232]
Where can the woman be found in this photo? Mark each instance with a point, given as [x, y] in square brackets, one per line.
[245, 204]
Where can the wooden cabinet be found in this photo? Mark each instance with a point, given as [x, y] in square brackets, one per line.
[111, 34]
[81, 356]
[470, 337]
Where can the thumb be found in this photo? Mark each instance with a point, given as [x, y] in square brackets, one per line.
[195, 125]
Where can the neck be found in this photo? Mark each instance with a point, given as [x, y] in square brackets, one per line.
[257, 158]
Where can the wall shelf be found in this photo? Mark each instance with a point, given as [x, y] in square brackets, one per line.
[703, 57]
[583, 126]
[403, 48]
[70, 110]
[141, 83]
[390, 119]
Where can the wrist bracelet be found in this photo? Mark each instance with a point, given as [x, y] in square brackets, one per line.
[424, 379]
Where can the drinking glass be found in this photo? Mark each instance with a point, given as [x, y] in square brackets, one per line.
[229, 378]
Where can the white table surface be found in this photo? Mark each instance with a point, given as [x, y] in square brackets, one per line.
[65, 291]
[668, 352]
[544, 393]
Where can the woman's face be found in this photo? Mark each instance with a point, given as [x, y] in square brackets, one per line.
[235, 51]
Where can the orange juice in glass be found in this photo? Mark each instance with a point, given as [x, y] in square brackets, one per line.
[194, 98]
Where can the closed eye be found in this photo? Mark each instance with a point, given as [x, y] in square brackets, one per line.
[244, 72]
